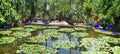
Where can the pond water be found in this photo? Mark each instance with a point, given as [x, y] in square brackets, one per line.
[13, 47]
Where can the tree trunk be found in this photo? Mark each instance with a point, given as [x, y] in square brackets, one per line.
[117, 24]
[81, 2]
[33, 11]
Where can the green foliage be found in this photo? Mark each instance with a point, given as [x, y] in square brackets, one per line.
[7, 40]
[37, 49]
[114, 10]
[8, 14]
[64, 44]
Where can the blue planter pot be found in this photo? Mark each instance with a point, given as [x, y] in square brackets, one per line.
[6, 27]
[24, 23]
[46, 22]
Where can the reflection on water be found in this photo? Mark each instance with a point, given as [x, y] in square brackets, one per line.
[91, 32]
[63, 51]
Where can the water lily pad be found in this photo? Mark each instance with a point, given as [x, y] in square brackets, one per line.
[6, 32]
[53, 34]
[29, 29]
[95, 52]
[112, 40]
[50, 30]
[81, 29]
[38, 27]
[52, 26]
[64, 44]
[21, 34]
[93, 44]
[29, 26]
[116, 50]
[38, 39]
[36, 49]
[79, 34]
[7, 40]
[17, 28]
[66, 30]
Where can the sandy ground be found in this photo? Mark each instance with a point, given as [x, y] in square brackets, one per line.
[58, 23]
[52, 23]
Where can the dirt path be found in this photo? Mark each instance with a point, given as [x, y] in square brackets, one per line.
[52, 23]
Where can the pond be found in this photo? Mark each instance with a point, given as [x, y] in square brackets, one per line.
[38, 39]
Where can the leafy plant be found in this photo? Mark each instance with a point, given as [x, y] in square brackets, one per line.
[7, 40]
[64, 44]
[37, 49]
[21, 34]
[6, 32]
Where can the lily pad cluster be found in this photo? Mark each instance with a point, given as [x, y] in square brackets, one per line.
[35, 49]
[116, 50]
[39, 27]
[7, 40]
[5, 32]
[35, 26]
[95, 52]
[52, 33]
[112, 40]
[52, 26]
[66, 30]
[21, 34]
[50, 30]
[29, 29]
[17, 29]
[38, 39]
[29, 26]
[79, 34]
[81, 29]
[94, 44]
[64, 44]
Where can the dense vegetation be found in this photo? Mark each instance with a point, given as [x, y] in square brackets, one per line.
[69, 10]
